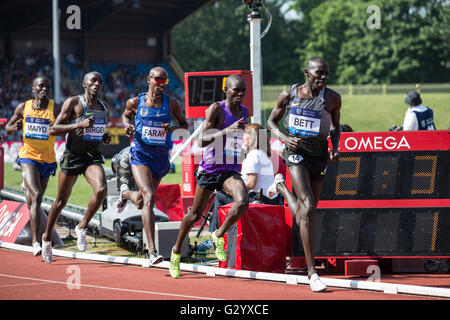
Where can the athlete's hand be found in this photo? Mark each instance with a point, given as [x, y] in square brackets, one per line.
[238, 125]
[87, 123]
[106, 138]
[167, 127]
[334, 156]
[17, 126]
[129, 131]
[292, 143]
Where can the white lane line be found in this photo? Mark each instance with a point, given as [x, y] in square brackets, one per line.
[23, 284]
[112, 288]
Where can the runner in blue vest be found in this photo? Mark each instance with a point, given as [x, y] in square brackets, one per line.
[308, 111]
[147, 117]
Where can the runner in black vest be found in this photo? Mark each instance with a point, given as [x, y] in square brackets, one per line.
[308, 111]
[84, 118]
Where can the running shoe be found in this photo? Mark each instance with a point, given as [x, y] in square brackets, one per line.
[36, 249]
[121, 202]
[174, 267]
[219, 242]
[81, 238]
[155, 258]
[272, 190]
[47, 254]
[316, 284]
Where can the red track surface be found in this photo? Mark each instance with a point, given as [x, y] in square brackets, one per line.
[25, 277]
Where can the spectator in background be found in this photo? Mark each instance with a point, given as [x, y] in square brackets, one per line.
[418, 116]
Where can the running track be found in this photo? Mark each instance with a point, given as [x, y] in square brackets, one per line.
[25, 277]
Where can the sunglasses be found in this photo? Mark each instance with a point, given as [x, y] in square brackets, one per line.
[160, 80]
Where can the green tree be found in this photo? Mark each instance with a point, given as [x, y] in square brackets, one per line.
[412, 44]
[218, 37]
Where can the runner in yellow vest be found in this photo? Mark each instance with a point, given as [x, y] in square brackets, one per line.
[37, 158]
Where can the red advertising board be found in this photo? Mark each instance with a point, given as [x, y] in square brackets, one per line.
[394, 141]
[13, 218]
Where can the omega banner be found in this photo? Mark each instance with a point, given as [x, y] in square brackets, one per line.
[388, 195]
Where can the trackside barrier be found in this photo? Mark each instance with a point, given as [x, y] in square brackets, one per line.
[390, 288]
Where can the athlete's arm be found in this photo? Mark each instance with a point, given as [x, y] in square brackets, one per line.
[56, 111]
[128, 116]
[106, 138]
[335, 134]
[175, 112]
[62, 123]
[214, 120]
[15, 123]
[276, 115]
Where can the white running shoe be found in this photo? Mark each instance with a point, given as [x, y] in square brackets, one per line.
[316, 284]
[272, 190]
[155, 258]
[47, 254]
[121, 202]
[36, 249]
[81, 238]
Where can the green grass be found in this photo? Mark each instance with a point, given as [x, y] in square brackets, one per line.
[368, 113]
[82, 191]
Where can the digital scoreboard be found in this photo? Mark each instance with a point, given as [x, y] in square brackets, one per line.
[387, 196]
[204, 88]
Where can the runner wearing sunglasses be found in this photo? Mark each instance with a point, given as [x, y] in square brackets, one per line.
[147, 119]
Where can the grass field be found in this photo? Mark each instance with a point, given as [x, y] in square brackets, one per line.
[367, 113]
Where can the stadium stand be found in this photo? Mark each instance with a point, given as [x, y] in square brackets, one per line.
[121, 80]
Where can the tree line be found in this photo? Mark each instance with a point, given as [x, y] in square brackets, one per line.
[375, 41]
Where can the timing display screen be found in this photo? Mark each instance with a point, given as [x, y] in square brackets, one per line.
[388, 175]
[388, 195]
[204, 88]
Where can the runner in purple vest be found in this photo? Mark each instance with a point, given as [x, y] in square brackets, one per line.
[222, 135]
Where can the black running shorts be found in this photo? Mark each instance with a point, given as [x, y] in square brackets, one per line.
[213, 182]
[76, 164]
[317, 167]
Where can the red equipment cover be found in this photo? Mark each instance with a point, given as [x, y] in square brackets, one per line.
[168, 200]
[259, 239]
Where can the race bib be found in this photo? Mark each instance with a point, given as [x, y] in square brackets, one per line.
[97, 131]
[233, 146]
[304, 122]
[153, 133]
[36, 128]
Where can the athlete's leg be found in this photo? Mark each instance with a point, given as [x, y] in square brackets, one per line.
[144, 180]
[95, 176]
[235, 187]
[291, 199]
[34, 197]
[201, 199]
[65, 185]
[135, 197]
[305, 212]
